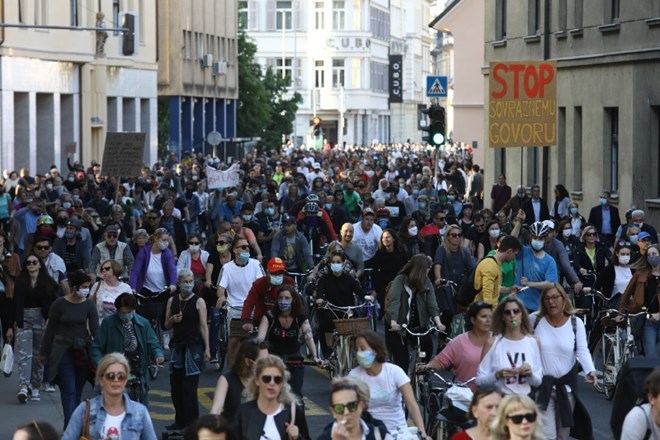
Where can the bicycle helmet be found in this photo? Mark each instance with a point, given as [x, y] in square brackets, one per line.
[383, 213]
[45, 220]
[311, 208]
[539, 229]
[313, 198]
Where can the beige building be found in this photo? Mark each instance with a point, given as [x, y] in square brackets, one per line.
[63, 88]
[198, 70]
[608, 98]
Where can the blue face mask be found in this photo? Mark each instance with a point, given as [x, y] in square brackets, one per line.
[603, 201]
[284, 304]
[328, 206]
[422, 205]
[269, 211]
[125, 317]
[365, 358]
[574, 211]
[383, 223]
[244, 256]
[336, 267]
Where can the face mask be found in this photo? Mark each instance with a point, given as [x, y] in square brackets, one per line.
[194, 248]
[603, 201]
[46, 230]
[624, 259]
[443, 199]
[328, 206]
[186, 287]
[247, 218]
[62, 221]
[415, 192]
[537, 245]
[244, 256]
[70, 234]
[66, 205]
[451, 197]
[633, 239]
[494, 233]
[365, 358]
[422, 205]
[125, 317]
[71, 179]
[49, 186]
[336, 267]
[83, 293]
[76, 197]
[269, 211]
[382, 224]
[222, 248]
[566, 233]
[284, 304]
[276, 280]
[653, 260]
[412, 231]
[521, 195]
[574, 211]
[162, 245]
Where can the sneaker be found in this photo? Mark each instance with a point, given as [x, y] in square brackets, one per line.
[35, 397]
[166, 341]
[174, 427]
[22, 395]
[214, 360]
[49, 388]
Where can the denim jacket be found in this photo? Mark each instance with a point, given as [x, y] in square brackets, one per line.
[135, 426]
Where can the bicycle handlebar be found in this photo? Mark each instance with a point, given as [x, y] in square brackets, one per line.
[609, 312]
[414, 332]
[450, 383]
[328, 305]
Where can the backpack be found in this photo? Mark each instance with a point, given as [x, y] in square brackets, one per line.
[466, 294]
[630, 390]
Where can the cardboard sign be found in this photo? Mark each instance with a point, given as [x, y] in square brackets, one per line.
[123, 154]
[70, 148]
[522, 107]
[222, 179]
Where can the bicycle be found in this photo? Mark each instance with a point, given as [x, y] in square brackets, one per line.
[447, 407]
[373, 310]
[134, 386]
[415, 362]
[222, 339]
[153, 309]
[613, 349]
[341, 359]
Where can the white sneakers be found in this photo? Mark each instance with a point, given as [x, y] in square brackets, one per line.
[22, 395]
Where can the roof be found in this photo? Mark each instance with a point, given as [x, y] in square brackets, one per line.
[443, 13]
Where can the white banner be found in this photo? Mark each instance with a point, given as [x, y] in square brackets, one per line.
[222, 179]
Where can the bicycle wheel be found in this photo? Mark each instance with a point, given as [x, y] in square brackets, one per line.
[334, 363]
[438, 430]
[597, 356]
[222, 343]
[610, 367]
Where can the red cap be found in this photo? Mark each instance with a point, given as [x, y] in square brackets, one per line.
[276, 265]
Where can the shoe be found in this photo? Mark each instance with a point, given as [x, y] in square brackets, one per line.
[166, 341]
[22, 395]
[35, 396]
[174, 427]
[49, 388]
[214, 360]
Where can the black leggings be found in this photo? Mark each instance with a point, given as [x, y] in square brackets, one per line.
[398, 347]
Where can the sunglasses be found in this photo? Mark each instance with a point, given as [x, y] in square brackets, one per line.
[455, 235]
[106, 268]
[31, 262]
[111, 235]
[42, 248]
[153, 217]
[192, 243]
[511, 312]
[517, 419]
[590, 234]
[112, 376]
[221, 243]
[480, 226]
[340, 408]
[624, 244]
[277, 379]
[243, 247]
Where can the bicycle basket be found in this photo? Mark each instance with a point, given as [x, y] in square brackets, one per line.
[456, 403]
[349, 327]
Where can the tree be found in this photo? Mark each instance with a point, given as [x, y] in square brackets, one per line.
[263, 109]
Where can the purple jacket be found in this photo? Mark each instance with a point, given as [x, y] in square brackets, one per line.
[142, 263]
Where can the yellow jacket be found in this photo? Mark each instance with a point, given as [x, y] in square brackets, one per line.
[487, 281]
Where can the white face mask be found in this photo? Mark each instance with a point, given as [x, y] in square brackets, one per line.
[194, 248]
[567, 233]
[83, 293]
[624, 259]
[494, 233]
[412, 231]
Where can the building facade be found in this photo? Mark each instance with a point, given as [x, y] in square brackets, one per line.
[198, 71]
[360, 65]
[608, 97]
[64, 87]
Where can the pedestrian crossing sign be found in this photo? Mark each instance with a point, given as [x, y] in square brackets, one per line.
[436, 86]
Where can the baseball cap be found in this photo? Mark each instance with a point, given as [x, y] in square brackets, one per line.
[75, 223]
[643, 236]
[286, 218]
[368, 211]
[276, 265]
[113, 228]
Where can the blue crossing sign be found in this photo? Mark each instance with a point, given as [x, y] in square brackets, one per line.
[436, 86]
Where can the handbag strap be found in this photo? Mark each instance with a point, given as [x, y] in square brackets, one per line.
[85, 431]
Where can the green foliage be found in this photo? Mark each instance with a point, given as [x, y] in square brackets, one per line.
[163, 126]
[263, 110]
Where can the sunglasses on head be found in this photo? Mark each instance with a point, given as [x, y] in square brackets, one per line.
[112, 376]
[31, 262]
[517, 419]
[511, 312]
[340, 408]
[267, 378]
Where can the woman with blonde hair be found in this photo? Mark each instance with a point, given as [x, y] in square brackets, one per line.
[272, 411]
[104, 292]
[517, 419]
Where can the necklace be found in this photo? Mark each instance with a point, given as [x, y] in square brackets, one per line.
[184, 303]
[552, 321]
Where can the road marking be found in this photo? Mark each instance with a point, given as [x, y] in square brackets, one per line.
[312, 409]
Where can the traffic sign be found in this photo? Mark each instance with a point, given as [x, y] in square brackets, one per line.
[436, 86]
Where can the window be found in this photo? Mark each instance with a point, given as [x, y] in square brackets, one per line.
[186, 45]
[357, 15]
[243, 14]
[612, 139]
[654, 146]
[284, 15]
[115, 15]
[338, 73]
[378, 77]
[380, 24]
[40, 12]
[356, 73]
[612, 11]
[284, 68]
[74, 12]
[500, 19]
[561, 15]
[534, 17]
[319, 73]
[577, 19]
[561, 145]
[577, 149]
[319, 15]
[21, 11]
[338, 15]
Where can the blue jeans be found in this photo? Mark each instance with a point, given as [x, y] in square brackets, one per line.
[214, 328]
[71, 380]
[650, 338]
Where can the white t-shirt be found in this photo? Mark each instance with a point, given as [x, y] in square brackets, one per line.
[367, 241]
[154, 279]
[637, 422]
[622, 276]
[106, 296]
[237, 281]
[112, 427]
[270, 431]
[385, 403]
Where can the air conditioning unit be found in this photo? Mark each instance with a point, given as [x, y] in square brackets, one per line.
[220, 68]
[207, 60]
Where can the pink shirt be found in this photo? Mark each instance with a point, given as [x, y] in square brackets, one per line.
[463, 356]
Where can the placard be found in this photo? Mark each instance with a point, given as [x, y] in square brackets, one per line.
[222, 179]
[123, 154]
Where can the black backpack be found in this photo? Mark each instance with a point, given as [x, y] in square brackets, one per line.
[466, 294]
[630, 390]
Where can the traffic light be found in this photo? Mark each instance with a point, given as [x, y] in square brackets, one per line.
[316, 124]
[128, 37]
[437, 126]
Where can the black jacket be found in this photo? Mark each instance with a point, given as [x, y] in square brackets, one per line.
[250, 421]
[596, 218]
[529, 211]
